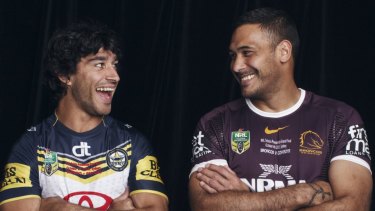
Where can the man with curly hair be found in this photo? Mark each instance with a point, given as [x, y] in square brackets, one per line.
[79, 158]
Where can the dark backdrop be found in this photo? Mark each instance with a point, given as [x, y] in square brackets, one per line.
[176, 66]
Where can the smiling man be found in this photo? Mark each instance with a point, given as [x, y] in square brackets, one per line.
[80, 158]
[279, 147]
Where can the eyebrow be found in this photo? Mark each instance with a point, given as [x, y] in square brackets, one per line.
[244, 47]
[101, 58]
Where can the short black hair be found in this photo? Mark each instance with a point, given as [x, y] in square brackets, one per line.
[67, 46]
[277, 23]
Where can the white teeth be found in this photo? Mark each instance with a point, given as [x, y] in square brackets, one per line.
[105, 89]
[248, 77]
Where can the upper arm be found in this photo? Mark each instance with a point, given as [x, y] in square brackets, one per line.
[21, 179]
[196, 193]
[351, 183]
[29, 204]
[150, 200]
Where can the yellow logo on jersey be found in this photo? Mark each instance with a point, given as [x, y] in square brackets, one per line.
[148, 169]
[311, 143]
[272, 131]
[17, 175]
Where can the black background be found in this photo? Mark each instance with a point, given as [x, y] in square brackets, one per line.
[175, 66]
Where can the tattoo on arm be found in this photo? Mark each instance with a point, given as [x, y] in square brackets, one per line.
[318, 190]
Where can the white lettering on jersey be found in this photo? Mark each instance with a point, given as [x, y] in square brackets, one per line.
[358, 145]
[198, 147]
[261, 185]
[83, 150]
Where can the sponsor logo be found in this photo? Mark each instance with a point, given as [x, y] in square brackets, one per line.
[50, 163]
[275, 169]
[83, 149]
[240, 141]
[198, 147]
[16, 175]
[311, 143]
[148, 169]
[358, 144]
[117, 159]
[262, 185]
[272, 131]
[89, 199]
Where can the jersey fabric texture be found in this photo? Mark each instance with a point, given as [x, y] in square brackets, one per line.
[274, 150]
[90, 168]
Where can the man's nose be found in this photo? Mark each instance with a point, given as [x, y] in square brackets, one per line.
[112, 74]
[237, 64]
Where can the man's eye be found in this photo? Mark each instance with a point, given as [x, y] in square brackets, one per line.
[115, 65]
[100, 65]
[247, 53]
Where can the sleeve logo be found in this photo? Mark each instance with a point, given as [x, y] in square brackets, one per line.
[148, 169]
[358, 144]
[16, 175]
[198, 147]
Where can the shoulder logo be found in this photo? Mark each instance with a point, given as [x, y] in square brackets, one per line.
[50, 163]
[198, 146]
[32, 129]
[240, 141]
[358, 143]
[117, 159]
[148, 168]
[272, 131]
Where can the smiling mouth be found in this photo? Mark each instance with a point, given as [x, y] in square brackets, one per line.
[105, 89]
[246, 77]
[106, 93]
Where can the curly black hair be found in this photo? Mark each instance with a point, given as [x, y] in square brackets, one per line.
[67, 46]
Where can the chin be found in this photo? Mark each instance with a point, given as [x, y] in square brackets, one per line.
[103, 112]
[246, 94]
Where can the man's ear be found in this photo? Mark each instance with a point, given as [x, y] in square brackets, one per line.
[65, 80]
[284, 49]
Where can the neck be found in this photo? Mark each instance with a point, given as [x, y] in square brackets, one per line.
[278, 101]
[76, 119]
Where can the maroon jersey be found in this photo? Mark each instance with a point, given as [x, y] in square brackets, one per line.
[273, 150]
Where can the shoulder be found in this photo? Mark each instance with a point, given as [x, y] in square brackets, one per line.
[328, 104]
[224, 110]
[32, 133]
[128, 131]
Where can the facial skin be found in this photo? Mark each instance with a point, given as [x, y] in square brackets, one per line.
[93, 85]
[254, 63]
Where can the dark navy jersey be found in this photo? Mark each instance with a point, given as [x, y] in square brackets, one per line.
[90, 168]
[274, 150]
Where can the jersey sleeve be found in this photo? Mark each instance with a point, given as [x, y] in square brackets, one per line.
[144, 176]
[20, 179]
[208, 144]
[352, 144]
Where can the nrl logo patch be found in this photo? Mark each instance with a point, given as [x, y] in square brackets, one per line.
[50, 163]
[240, 141]
[117, 159]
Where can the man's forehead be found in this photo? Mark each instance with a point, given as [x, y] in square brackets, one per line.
[248, 36]
[102, 54]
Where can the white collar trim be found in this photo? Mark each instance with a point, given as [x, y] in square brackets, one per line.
[278, 114]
